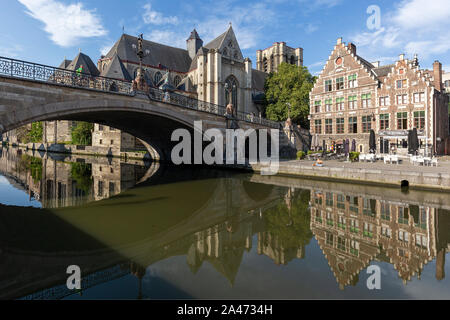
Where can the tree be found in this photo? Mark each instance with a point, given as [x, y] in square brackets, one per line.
[36, 133]
[82, 133]
[290, 226]
[290, 85]
[81, 173]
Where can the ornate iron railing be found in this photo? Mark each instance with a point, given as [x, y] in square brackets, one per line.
[37, 72]
[192, 103]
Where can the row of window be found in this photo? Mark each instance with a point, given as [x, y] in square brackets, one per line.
[352, 82]
[366, 123]
[419, 214]
[403, 236]
[339, 83]
[366, 102]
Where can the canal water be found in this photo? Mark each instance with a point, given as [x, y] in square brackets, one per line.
[145, 231]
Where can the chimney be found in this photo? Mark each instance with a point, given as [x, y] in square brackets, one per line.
[352, 48]
[437, 73]
[401, 57]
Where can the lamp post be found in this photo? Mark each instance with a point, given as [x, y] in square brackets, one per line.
[229, 89]
[141, 54]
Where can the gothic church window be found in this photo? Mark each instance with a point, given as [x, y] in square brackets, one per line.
[231, 89]
[225, 52]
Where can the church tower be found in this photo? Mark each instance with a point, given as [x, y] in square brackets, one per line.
[269, 59]
[193, 43]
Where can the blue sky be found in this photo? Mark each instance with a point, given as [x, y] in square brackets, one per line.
[46, 31]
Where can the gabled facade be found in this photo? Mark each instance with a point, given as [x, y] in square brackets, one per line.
[352, 96]
[353, 231]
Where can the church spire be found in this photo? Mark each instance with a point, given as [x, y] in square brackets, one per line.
[193, 43]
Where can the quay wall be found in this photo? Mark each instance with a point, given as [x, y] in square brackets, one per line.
[438, 180]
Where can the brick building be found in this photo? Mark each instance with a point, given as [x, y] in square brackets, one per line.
[353, 96]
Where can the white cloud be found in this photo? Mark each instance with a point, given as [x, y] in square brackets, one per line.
[168, 37]
[66, 24]
[11, 51]
[413, 26]
[105, 49]
[310, 28]
[154, 17]
[319, 4]
[422, 15]
[248, 20]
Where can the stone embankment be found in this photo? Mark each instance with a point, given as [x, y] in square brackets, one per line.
[405, 174]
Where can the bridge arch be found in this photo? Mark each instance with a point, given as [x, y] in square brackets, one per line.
[151, 122]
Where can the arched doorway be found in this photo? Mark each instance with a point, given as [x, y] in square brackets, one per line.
[231, 92]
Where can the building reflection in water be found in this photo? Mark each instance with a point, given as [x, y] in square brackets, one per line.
[72, 182]
[353, 230]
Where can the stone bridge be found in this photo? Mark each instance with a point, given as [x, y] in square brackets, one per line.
[30, 92]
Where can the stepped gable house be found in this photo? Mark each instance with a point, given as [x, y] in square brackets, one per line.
[353, 96]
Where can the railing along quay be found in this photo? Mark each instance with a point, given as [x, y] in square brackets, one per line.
[19, 69]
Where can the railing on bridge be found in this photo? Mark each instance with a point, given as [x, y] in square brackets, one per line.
[37, 72]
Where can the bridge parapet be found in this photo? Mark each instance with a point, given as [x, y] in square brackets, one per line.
[18, 69]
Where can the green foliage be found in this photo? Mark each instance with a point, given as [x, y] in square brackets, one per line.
[81, 173]
[353, 156]
[290, 226]
[35, 134]
[34, 165]
[82, 133]
[291, 84]
[300, 155]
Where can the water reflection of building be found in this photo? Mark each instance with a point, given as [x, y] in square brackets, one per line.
[223, 245]
[58, 184]
[271, 245]
[353, 230]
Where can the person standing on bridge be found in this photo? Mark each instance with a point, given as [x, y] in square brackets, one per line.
[80, 70]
